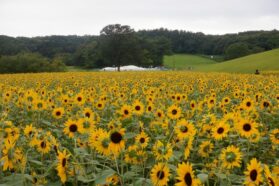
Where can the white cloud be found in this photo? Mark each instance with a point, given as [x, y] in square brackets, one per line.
[48, 17]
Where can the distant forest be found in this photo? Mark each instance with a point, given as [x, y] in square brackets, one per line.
[119, 45]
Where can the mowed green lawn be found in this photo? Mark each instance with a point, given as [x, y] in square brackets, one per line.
[186, 61]
[265, 61]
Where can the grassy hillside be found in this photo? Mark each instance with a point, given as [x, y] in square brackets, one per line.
[184, 61]
[265, 61]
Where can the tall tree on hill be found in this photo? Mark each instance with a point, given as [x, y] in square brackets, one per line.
[120, 46]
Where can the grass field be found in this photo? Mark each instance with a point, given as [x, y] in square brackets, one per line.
[265, 61]
[186, 61]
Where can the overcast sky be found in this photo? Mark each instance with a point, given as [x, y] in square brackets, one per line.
[80, 17]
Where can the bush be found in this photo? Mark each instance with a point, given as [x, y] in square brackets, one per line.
[29, 62]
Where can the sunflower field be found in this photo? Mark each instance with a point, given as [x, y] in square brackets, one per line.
[139, 128]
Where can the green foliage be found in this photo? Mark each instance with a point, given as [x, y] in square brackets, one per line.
[144, 48]
[237, 50]
[119, 45]
[29, 62]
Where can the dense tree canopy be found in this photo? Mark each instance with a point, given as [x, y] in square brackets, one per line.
[29, 62]
[120, 45]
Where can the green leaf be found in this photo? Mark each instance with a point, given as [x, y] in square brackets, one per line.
[203, 177]
[130, 135]
[143, 181]
[85, 180]
[36, 162]
[129, 175]
[101, 178]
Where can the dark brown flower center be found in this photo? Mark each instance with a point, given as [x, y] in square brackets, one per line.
[265, 104]
[73, 128]
[270, 181]
[64, 161]
[116, 137]
[160, 175]
[248, 104]
[43, 144]
[79, 98]
[58, 113]
[126, 112]
[87, 114]
[174, 112]
[188, 179]
[253, 175]
[220, 130]
[137, 107]
[247, 127]
[184, 129]
[142, 140]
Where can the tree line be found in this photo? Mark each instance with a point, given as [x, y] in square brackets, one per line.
[120, 45]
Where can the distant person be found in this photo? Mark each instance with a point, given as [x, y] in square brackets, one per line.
[257, 72]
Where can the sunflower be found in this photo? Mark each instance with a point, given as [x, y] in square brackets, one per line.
[79, 99]
[265, 104]
[274, 136]
[40, 105]
[43, 146]
[160, 174]
[205, 149]
[29, 130]
[149, 107]
[142, 139]
[7, 155]
[102, 144]
[72, 127]
[184, 129]
[248, 104]
[126, 111]
[253, 173]
[211, 102]
[159, 114]
[185, 175]
[188, 147]
[246, 128]
[271, 179]
[174, 112]
[58, 112]
[113, 180]
[94, 137]
[100, 105]
[220, 131]
[193, 105]
[117, 143]
[277, 97]
[161, 151]
[226, 100]
[131, 155]
[62, 165]
[88, 113]
[138, 108]
[231, 157]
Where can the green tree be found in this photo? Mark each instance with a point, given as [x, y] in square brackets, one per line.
[119, 46]
[237, 50]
